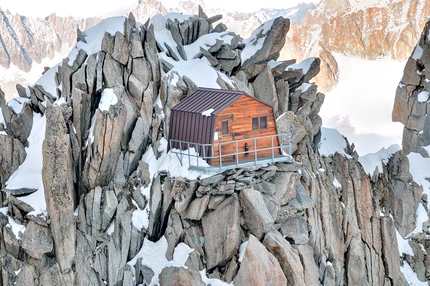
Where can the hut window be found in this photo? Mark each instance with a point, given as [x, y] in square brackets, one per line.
[263, 122]
[254, 123]
[225, 127]
[259, 123]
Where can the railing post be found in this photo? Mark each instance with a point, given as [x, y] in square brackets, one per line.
[189, 161]
[273, 151]
[237, 155]
[220, 156]
[180, 152]
[255, 151]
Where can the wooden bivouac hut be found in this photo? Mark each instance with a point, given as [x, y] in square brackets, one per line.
[224, 126]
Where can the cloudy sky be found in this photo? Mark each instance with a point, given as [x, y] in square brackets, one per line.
[86, 8]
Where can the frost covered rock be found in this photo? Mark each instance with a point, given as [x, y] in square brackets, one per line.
[411, 102]
[272, 36]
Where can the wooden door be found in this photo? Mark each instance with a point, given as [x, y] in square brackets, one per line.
[226, 135]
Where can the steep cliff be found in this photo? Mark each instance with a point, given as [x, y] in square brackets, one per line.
[93, 197]
[365, 29]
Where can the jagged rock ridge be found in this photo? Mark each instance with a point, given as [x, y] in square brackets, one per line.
[106, 118]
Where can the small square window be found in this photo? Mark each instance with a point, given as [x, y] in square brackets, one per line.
[225, 127]
[263, 122]
[254, 123]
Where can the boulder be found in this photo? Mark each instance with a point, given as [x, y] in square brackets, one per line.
[310, 268]
[265, 90]
[287, 257]
[120, 49]
[18, 125]
[37, 240]
[296, 229]
[289, 122]
[183, 192]
[221, 230]
[273, 41]
[256, 216]
[196, 208]
[259, 267]
[178, 276]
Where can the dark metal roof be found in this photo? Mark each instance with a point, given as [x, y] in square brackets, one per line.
[206, 98]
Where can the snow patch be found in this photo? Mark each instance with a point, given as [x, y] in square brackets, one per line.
[29, 173]
[153, 255]
[303, 65]
[255, 41]
[423, 96]
[108, 98]
[418, 52]
[336, 183]
[331, 142]
[410, 275]
[208, 112]
[94, 37]
[372, 161]
[16, 228]
[17, 104]
[242, 250]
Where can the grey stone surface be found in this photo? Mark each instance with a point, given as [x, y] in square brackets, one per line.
[287, 257]
[256, 216]
[274, 40]
[58, 187]
[222, 232]
[178, 276]
[259, 267]
[37, 240]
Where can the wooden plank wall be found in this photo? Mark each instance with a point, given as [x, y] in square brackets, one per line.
[243, 110]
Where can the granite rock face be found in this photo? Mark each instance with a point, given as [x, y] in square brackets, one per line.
[108, 207]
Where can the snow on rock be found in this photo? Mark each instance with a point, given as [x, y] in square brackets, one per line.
[303, 65]
[404, 247]
[47, 80]
[331, 142]
[372, 161]
[304, 87]
[336, 183]
[108, 98]
[255, 41]
[419, 168]
[410, 275]
[418, 53]
[29, 173]
[17, 104]
[94, 37]
[423, 96]
[16, 228]
[153, 255]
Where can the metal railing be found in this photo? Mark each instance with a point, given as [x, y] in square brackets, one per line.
[195, 153]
